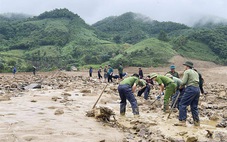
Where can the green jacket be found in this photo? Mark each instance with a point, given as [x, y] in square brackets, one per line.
[120, 69]
[163, 79]
[175, 74]
[130, 81]
[177, 81]
[190, 78]
[110, 71]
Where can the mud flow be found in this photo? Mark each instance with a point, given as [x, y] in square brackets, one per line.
[58, 106]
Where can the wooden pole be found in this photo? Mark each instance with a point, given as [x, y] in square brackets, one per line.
[99, 96]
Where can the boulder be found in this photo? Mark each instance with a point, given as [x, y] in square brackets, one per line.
[85, 91]
[32, 86]
[222, 94]
[59, 112]
[14, 85]
[66, 94]
[192, 139]
[214, 117]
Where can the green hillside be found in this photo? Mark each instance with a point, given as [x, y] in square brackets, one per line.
[149, 52]
[133, 28]
[60, 39]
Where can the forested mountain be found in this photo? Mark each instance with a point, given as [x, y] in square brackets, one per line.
[60, 39]
[133, 28]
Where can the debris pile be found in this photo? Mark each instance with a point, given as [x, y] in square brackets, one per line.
[101, 113]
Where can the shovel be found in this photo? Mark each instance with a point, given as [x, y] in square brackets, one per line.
[173, 105]
[159, 96]
[99, 96]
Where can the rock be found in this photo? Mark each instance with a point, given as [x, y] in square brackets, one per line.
[32, 86]
[2, 92]
[222, 94]
[60, 86]
[225, 114]
[182, 133]
[85, 91]
[55, 98]
[7, 86]
[90, 113]
[33, 101]
[209, 134]
[214, 117]
[222, 124]
[14, 85]
[63, 101]
[59, 112]
[66, 94]
[192, 139]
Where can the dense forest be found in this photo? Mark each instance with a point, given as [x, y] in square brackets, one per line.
[61, 39]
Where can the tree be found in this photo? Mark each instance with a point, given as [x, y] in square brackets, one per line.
[163, 36]
[117, 39]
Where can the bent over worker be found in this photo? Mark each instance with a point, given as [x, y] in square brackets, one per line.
[126, 89]
[168, 84]
[178, 82]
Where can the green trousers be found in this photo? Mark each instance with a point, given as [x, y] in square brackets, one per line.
[170, 90]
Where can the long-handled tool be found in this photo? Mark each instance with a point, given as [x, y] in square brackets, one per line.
[173, 105]
[159, 96]
[99, 96]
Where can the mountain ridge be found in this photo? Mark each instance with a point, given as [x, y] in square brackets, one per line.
[60, 39]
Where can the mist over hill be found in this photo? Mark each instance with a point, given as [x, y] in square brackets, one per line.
[61, 39]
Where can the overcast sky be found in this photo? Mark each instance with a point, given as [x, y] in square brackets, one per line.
[181, 11]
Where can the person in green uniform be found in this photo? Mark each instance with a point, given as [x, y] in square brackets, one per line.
[110, 73]
[126, 89]
[178, 90]
[191, 95]
[120, 71]
[168, 84]
[173, 72]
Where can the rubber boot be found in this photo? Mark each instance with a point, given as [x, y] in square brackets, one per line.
[166, 108]
[122, 109]
[136, 111]
[196, 123]
[181, 123]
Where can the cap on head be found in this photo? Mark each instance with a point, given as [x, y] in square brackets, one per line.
[136, 75]
[189, 64]
[172, 67]
[169, 75]
[153, 75]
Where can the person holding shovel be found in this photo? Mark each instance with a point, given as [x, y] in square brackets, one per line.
[126, 89]
[191, 95]
[168, 84]
[178, 90]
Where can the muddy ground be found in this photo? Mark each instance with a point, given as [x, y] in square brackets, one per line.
[55, 111]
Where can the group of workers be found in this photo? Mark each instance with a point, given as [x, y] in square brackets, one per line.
[14, 70]
[108, 73]
[170, 86]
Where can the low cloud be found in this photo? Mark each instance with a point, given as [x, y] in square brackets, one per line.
[182, 11]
